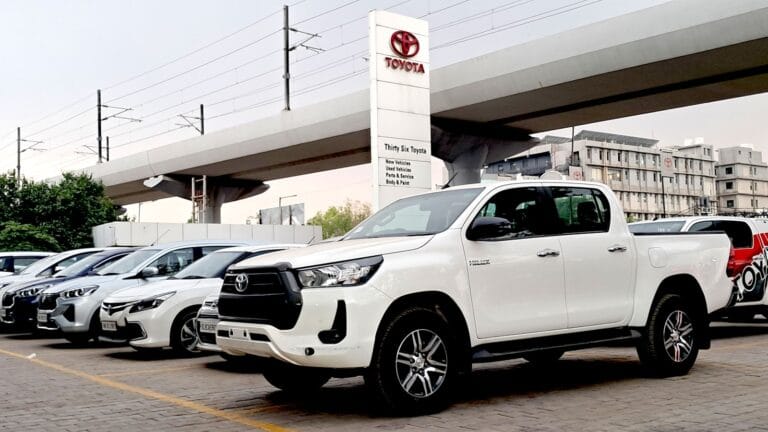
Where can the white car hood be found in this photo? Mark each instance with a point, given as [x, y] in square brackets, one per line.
[324, 253]
[153, 289]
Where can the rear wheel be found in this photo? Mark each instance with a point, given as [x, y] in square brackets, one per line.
[184, 334]
[415, 365]
[669, 346]
[294, 379]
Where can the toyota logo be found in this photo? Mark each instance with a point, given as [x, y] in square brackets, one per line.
[404, 43]
[241, 282]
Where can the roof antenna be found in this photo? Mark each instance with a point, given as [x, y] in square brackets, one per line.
[447, 185]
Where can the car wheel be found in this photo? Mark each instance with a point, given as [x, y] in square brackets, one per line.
[668, 346]
[294, 379]
[544, 357]
[184, 334]
[414, 367]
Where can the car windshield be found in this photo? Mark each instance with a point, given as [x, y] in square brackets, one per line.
[656, 227]
[210, 266]
[419, 215]
[78, 267]
[41, 265]
[128, 263]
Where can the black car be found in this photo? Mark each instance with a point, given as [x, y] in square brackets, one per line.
[19, 304]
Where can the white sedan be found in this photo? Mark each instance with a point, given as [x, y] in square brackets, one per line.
[163, 314]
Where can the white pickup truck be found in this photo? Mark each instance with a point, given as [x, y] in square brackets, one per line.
[414, 295]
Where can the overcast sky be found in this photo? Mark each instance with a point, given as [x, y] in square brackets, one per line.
[57, 53]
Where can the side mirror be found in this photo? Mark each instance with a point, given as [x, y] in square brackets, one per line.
[488, 228]
[148, 272]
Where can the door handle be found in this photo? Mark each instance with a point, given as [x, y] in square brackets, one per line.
[617, 248]
[547, 253]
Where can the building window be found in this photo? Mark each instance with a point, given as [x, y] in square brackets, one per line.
[589, 154]
[701, 166]
[614, 175]
[728, 185]
[637, 173]
[645, 176]
[619, 156]
[600, 155]
[655, 177]
[608, 155]
[637, 158]
[675, 162]
[728, 170]
[729, 203]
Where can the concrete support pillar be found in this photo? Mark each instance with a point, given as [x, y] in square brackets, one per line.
[467, 147]
[221, 190]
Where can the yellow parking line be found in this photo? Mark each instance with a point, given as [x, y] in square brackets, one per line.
[146, 371]
[227, 415]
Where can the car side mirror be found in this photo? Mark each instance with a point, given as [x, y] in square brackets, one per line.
[488, 228]
[148, 272]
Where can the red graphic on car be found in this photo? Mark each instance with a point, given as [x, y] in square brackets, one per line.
[748, 268]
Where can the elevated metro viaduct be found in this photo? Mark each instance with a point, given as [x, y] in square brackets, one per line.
[676, 54]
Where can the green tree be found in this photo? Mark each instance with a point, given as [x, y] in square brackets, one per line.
[66, 211]
[339, 220]
[16, 236]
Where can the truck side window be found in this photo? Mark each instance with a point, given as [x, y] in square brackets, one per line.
[520, 207]
[581, 210]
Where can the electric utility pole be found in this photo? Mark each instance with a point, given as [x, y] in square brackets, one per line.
[287, 48]
[191, 124]
[100, 119]
[20, 150]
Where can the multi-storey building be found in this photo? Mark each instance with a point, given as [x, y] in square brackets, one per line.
[742, 181]
[631, 166]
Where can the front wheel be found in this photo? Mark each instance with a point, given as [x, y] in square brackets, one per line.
[414, 367]
[669, 346]
[184, 334]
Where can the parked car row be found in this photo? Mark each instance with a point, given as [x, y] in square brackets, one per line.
[418, 292]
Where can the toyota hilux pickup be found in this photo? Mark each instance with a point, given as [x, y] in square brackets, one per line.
[433, 283]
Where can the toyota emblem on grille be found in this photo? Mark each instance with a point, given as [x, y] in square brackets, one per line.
[241, 282]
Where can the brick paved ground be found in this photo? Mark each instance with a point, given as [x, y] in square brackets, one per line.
[108, 388]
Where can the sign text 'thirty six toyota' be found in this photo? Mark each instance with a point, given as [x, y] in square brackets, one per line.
[406, 45]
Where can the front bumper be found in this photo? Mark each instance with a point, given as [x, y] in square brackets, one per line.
[73, 315]
[150, 328]
[206, 340]
[362, 308]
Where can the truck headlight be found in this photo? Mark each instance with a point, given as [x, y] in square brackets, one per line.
[151, 303]
[80, 292]
[348, 273]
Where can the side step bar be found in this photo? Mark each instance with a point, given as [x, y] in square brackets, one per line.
[568, 342]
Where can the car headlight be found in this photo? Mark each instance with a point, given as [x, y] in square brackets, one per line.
[31, 292]
[348, 273]
[211, 304]
[80, 292]
[151, 302]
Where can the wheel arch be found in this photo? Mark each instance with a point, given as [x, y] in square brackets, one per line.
[185, 310]
[686, 286]
[439, 302]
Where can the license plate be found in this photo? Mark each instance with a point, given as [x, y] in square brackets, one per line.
[109, 326]
[238, 333]
[42, 317]
[207, 326]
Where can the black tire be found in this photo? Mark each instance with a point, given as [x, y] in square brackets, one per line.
[406, 387]
[294, 379]
[673, 320]
[544, 357]
[184, 334]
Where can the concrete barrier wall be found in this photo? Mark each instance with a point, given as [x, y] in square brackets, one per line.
[145, 234]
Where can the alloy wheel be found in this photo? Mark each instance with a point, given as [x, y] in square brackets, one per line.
[678, 336]
[421, 363]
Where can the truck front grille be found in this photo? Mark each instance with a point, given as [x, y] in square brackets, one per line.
[263, 296]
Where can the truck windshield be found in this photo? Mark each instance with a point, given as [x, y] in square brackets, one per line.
[656, 227]
[419, 215]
